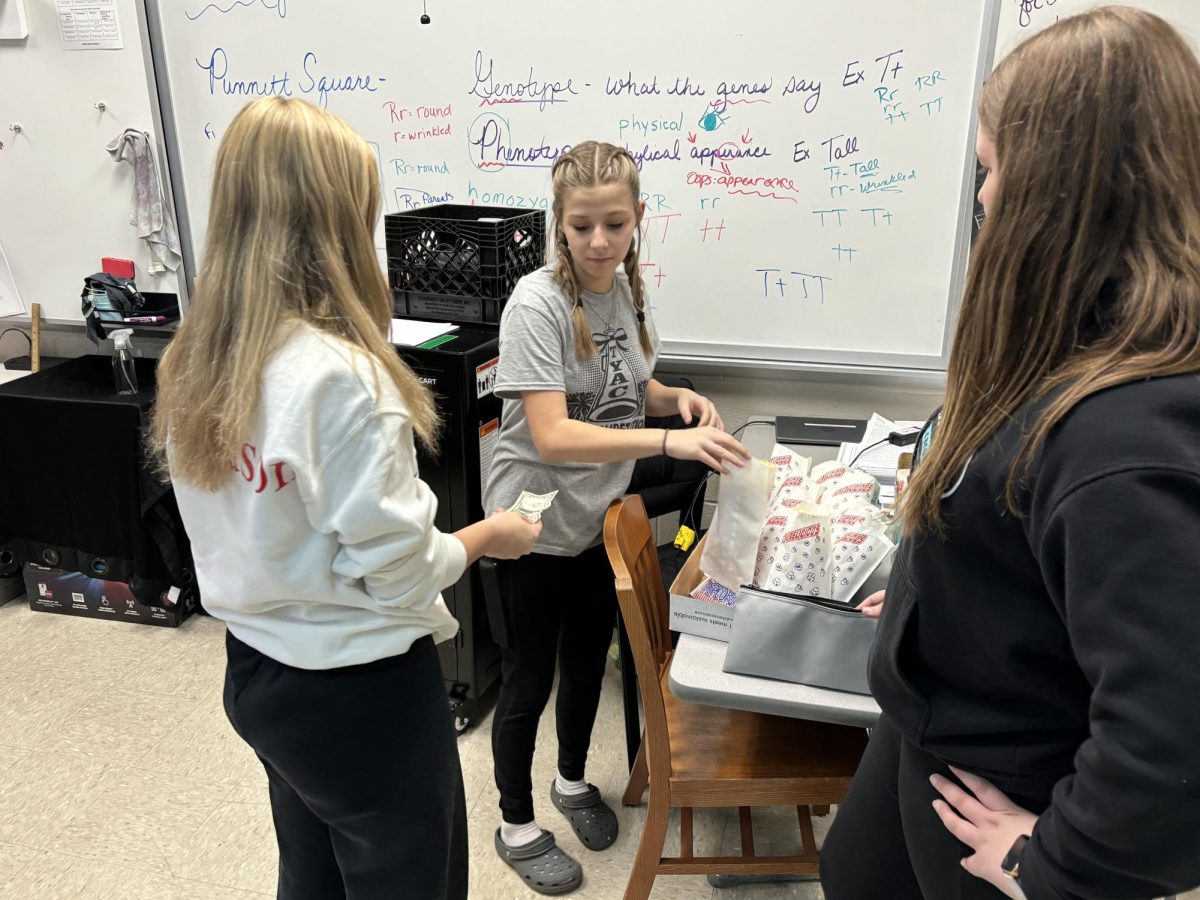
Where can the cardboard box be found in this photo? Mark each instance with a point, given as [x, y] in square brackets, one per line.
[76, 594]
[715, 620]
[698, 617]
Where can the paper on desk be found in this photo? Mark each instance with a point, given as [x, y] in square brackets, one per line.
[7, 375]
[878, 462]
[10, 298]
[408, 333]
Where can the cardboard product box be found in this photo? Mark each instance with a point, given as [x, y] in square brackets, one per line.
[76, 594]
[715, 620]
[698, 617]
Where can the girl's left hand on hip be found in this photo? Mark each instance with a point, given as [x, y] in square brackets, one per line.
[984, 819]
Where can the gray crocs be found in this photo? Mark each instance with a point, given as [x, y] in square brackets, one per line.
[594, 821]
[543, 866]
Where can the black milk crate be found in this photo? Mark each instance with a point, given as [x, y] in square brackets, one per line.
[459, 263]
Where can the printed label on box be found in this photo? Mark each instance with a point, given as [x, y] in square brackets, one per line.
[709, 620]
[97, 598]
[485, 377]
[489, 436]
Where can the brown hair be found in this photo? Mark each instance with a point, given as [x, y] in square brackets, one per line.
[1086, 273]
[592, 164]
[295, 200]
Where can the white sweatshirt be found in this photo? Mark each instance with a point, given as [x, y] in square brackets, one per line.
[320, 551]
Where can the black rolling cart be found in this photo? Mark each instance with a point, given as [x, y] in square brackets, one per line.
[459, 264]
[460, 372]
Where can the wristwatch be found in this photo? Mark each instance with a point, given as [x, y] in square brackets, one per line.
[1011, 864]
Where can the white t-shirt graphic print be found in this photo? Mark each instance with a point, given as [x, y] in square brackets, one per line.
[611, 390]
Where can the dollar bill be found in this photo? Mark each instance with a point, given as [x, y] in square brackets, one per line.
[531, 506]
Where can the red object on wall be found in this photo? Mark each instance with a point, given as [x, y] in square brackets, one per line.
[118, 268]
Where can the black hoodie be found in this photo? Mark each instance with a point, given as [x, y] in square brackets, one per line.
[1057, 654]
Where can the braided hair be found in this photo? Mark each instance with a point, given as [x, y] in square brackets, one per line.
[592, 164]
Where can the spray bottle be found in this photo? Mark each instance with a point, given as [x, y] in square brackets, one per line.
[124, 375]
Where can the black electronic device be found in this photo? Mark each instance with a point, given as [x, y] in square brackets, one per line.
[819, 431]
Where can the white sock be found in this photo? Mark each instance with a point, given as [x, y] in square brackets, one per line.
[519, 835]
[566, 787]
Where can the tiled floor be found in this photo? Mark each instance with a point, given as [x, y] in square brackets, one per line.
[120, 778]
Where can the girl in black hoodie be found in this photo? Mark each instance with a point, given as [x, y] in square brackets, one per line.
[1038, 654]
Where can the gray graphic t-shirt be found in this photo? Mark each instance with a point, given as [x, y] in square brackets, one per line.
[537, 353]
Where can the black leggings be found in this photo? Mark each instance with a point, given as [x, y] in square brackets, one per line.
[366, 789]
[887, 841]
[562, 606]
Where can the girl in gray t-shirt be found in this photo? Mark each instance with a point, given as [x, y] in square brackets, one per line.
[577, 352]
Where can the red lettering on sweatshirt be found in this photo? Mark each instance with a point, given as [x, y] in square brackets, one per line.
[260, 474]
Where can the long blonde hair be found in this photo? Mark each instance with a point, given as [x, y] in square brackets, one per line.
[295, 199]
[593, 164]
[1086, 274]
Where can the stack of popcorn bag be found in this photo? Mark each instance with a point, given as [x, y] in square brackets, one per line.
[830, 543]
[823, 535]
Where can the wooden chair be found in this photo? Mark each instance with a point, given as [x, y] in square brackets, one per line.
[694, 755]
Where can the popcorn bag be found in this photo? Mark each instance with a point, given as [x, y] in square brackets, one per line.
[852, 489]
[823, 475]
[732, 542]
[770, 545]
[801, 562]
[787, 464]
[794, 490]
[859, 544]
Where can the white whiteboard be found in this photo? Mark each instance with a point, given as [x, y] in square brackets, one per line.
[64, 203]
[830, 226]
[1020, 19]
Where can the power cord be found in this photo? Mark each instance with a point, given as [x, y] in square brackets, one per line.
[895, 438]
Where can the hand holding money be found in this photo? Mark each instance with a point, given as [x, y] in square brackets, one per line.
[531, 506]
[510, 535]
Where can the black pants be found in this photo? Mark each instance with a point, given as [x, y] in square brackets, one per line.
[668, 484]
[562, 606]
[366, 788]
[887, 841]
